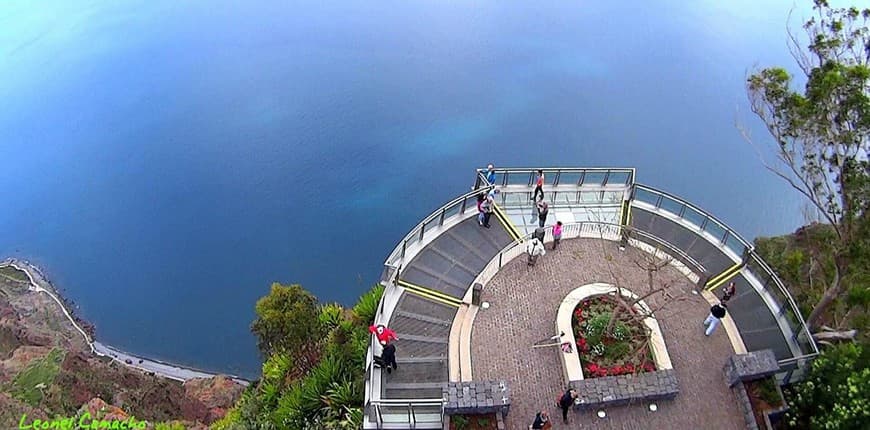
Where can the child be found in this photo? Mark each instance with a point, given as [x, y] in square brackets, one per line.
[557, 233]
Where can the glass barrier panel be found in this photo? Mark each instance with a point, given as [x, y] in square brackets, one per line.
[594, 178]
[590, 196]
[395, 414]
[516, 199]
[733, 243]
[715, 230]
[671, 205]
[646, 196]
[454, 210]
[565, 197]
[694, 217]
[517, 178]
[569, 178]
[613, 196]
[499, 178]
[415, 236]
[618, 178]
[427, 413]
[431, 225]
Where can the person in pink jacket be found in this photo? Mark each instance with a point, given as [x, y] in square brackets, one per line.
[557, 233]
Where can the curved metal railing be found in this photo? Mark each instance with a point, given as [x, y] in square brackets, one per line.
[728, 238]
[593, 229]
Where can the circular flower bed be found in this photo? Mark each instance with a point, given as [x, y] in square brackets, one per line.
[609, 345]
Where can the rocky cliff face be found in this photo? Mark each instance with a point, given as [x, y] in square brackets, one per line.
[47, 370]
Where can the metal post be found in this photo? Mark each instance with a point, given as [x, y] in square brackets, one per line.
[476, 291]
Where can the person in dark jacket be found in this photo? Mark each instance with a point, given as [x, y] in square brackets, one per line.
[543, 210]
[566, 401]
[542, 421]
[389, 357]
[728, 292]
[717, 312]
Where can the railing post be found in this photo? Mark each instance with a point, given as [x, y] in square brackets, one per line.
[441, 221]
[411, 416]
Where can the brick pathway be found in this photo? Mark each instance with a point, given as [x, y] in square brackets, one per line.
[523, 308]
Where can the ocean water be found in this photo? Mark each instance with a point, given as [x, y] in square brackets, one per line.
[165, 161]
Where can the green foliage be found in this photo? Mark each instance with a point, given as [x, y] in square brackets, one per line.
[331, 315]
[821, 133]
[617, 351]
[325, 394]
[169, 426]
[596, 326]
[32, 382]
[768, 392]
[460, 422]
[834, 394]
[13, 274]
[287, 320]
[367, 306]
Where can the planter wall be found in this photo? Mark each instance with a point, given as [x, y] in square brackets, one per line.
[624, 389]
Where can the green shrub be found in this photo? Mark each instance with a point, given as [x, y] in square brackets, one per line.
[595, 327]
[367, 306]
[331, 315]
[460, 422]
[834, 394]
[768, 392]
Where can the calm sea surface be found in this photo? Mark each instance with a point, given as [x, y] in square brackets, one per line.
[165, 161]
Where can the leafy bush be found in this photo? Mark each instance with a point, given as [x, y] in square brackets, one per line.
[330, 316]
[834, 394]
[367, 306]
[287, 320]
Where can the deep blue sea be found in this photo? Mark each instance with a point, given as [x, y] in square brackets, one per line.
[164, 161]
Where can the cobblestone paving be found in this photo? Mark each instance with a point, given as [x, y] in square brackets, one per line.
[524, 301]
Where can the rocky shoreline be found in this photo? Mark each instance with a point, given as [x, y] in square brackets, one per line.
[51, 366]
[41, 284]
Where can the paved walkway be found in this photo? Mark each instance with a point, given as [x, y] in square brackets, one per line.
[523, 308]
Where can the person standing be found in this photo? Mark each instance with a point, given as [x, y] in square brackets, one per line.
[728, 292]
[487, 207]
[388, 356]
[383, 334]
[490, 174]
[557, 234]
[535, 249]
[539, 186]
[566, 401]
[542, 421]
[717, 312]
[543, 211]
[480, 198]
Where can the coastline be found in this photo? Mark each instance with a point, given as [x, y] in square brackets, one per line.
[39, 283]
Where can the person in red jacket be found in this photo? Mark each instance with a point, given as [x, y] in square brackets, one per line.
[383, 334]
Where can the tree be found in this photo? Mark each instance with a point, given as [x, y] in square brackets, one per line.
[820, 133]
[834, 394]
[288, 321]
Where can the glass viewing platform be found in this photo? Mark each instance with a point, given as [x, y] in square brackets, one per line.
[429, 277]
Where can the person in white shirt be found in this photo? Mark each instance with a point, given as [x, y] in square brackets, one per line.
[535, 249]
